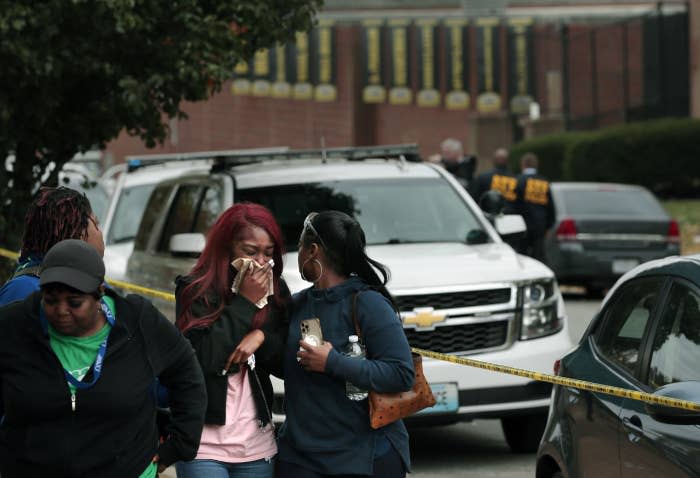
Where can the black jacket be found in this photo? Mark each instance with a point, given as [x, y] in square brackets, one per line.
[499, 179]
[534, 203]
[214, 344]
[112, 431]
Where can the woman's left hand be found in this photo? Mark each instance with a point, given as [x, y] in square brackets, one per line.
[313, 358]
[247, 347]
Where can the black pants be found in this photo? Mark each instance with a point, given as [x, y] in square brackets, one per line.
[389, 465]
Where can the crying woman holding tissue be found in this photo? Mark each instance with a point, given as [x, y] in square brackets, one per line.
[231, 307]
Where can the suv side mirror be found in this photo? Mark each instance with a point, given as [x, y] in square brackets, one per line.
[681, 390]
[188, 245]
[510, 224]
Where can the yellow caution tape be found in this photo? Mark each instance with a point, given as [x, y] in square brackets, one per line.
[9, 254]
[116, 283]
[566, 382]
[141, 290]
[541, 377]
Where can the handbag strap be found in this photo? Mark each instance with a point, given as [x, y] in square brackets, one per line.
[355, 322]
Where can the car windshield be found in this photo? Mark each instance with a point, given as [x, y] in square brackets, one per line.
[602, 202]
[390, 211]
[127, 214]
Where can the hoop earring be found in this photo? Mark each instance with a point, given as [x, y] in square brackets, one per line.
[320, 274]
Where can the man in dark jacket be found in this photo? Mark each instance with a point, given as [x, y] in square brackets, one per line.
[452, 158]
[499, 178]
[534, 203]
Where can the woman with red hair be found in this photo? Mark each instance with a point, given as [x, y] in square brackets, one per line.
[237, 326]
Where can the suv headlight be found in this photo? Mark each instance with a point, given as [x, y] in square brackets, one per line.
[539, 309]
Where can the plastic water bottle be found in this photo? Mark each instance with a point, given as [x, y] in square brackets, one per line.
[355, 350]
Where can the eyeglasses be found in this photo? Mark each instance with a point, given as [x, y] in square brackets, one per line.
[308, 224]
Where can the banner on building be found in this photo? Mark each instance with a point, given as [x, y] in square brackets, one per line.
[262, 73]
[457, 67]
[372, 50]
[521, 71]
[324, 36]
[488, 55]
[428, 63]
[301, 63]
[281, 86]
[400, 92]
[241, 78]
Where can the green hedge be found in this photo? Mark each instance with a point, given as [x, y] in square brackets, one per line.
[663, 155]
[550, 151]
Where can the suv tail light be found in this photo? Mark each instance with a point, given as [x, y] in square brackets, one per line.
[557, 366]
[567, 230]
[674, 232]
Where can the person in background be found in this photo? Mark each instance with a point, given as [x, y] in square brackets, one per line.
[236, 322]
[327, 430]
[452, 158]
[499, 179]
[77, 367]
[54, 215]
[534, 203]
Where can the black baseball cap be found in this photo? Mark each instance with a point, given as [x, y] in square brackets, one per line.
[74, 263]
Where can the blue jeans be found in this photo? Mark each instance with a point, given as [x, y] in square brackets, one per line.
[264, 468]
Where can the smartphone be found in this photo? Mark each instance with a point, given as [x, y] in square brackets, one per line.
[311, 331]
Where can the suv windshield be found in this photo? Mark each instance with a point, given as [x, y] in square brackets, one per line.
[390, 211]
[127, 215]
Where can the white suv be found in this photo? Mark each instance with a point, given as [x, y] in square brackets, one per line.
[460, 288]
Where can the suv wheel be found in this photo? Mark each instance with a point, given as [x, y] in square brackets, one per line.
[523, 433]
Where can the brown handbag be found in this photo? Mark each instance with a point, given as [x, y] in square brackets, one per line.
[385, 408]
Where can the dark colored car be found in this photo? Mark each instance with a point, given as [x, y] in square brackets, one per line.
[603, 230]
[646, 338]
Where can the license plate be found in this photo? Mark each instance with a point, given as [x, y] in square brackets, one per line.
[446, 397]
[620, 266]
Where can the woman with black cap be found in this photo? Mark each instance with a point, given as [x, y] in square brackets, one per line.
[77, 367]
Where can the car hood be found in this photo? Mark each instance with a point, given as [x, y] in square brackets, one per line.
[442, 265]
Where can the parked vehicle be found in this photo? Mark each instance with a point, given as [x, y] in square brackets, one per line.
[460, 288]
[603, 230]
[132, 188]
[646, 338]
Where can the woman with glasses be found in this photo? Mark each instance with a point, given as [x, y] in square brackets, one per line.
[326, 433]
[231, 307]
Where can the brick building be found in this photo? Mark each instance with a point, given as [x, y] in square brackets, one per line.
[421, 71]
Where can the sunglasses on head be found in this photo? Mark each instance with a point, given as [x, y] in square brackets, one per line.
[309, 225]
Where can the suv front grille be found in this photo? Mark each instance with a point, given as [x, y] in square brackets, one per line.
[453, 300]
[460, 338]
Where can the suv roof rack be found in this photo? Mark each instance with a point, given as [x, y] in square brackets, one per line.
[135, 162]
[403, 152]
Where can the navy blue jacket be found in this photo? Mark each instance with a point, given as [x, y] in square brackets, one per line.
[324, 430]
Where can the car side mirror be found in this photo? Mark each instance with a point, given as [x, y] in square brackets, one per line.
[678, 416]
[510, 224]
[186, 245]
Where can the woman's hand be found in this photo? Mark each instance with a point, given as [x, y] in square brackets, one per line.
[161, 467]
[254, 284]
[247, 347]
[313, 358]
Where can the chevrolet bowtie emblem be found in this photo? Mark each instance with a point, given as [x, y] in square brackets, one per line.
[423, 317]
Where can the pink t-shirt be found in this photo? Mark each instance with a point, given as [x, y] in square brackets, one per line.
[240, 439]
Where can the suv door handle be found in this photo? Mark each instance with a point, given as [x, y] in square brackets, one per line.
[633, 422]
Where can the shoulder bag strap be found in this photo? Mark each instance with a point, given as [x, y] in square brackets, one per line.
[355, 322]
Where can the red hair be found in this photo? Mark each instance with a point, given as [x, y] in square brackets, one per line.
[213, 274]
